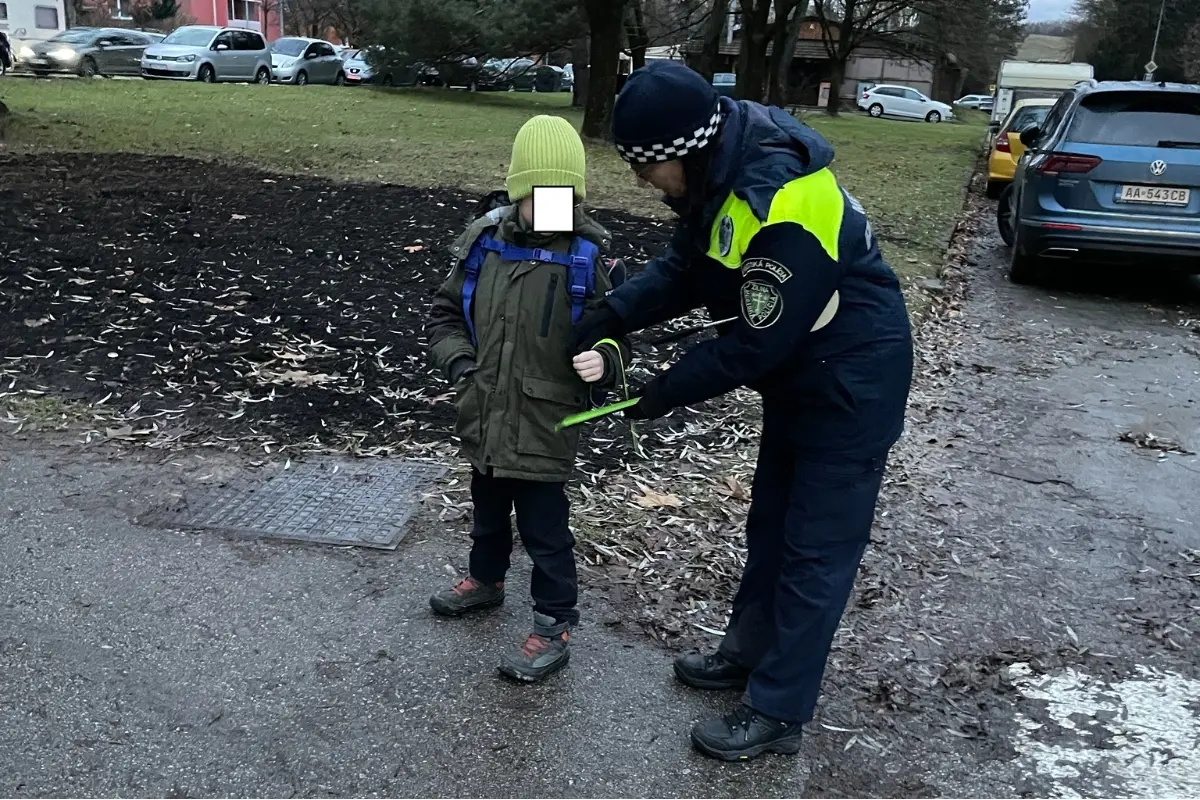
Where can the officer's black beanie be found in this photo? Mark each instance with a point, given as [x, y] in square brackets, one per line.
[665, 111]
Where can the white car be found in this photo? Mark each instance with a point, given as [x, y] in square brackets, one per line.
[901, 101]
[972, 100]
[209, 54]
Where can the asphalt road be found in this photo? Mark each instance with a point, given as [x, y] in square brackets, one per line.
[1057, 601]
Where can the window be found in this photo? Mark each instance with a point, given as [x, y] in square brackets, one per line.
[1027, 117]
[244, 14]
[248, 40]
[324, 49]
[913, 94]
[890, 91]
[4, 12]
[1054, 117]
[45, 18]
[191, 36]
[292, 48]
[120, 12]
[225, 38]
[1137, 119]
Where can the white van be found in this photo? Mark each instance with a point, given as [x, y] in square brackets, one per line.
[29, 21]
[1023, 80]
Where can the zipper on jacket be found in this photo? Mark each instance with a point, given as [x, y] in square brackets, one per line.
[548, 311]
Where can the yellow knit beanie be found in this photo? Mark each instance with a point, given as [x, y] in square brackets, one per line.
[546, 152]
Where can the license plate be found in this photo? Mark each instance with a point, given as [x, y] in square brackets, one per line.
[1156, 195]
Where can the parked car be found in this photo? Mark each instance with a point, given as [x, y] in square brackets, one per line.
[504, 75]
[302, 61]
[377, 66]
[725, 83]
[566, 80]
[1007, 147]
[1112, 175]
[972, 100]
[902, 101]
[209, 54]
[88, 52]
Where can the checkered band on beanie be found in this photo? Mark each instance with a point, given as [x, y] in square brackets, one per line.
[664, 112]
[676, 148]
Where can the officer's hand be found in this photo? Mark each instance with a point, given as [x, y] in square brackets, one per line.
[650, 404]
[589, 365]
[599, 323]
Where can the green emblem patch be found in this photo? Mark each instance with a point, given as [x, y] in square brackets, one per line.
[762, 304]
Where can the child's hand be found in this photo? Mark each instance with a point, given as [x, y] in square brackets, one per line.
[590, 366]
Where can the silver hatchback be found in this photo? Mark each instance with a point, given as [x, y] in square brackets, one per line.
[295, 59]
[209, 54]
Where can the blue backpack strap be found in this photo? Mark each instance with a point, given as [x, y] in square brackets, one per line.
[581, 275]
[472, 266]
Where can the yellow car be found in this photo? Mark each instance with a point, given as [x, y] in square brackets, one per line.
[1007, 148]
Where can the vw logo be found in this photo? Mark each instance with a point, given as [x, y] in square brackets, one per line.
[1158, 167]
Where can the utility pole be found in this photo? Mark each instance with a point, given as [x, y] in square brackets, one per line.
[1151, 66]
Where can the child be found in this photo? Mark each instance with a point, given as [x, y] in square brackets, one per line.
[508, 358]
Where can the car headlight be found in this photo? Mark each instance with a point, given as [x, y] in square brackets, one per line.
[63, 54]
[26, 52]
[186, 59]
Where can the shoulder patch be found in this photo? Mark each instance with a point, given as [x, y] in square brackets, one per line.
[762, 304]
[725, 235]
[765, 265]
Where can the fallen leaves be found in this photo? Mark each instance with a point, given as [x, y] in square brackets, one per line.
[1149, 441]
[653, 499]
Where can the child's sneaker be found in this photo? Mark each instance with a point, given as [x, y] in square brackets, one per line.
[467, 595]
[547, 650]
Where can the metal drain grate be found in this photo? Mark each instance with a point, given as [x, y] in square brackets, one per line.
[361, 503]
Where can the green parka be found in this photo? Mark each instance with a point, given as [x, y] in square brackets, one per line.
[524, 382]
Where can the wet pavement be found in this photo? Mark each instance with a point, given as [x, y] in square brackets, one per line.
[1030, 627]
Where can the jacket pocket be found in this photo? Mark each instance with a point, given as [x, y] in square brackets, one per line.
[551, 299]
[546, 403]
[469, 426]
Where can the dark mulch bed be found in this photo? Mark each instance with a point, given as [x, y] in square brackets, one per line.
[221, 301]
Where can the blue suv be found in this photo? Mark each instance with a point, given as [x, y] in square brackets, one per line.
[1111, 176]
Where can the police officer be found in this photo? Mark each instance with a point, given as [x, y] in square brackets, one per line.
[766, 235]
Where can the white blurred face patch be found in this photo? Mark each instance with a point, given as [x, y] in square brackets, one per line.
[553, 209]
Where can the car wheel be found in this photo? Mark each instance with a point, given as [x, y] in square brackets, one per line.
[263, 76]
[1005, 218]
[875, 110]
[933, 116]
[88, 68]
[302, 78]
[995, 189]
[206, 74]
[386, 81]
[340, 80]
[1023, 268]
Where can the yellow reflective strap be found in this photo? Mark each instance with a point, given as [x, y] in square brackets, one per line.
[816, 204]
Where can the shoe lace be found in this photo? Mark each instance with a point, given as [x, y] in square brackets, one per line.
[742, 717]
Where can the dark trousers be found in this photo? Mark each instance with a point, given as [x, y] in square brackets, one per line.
[808, 526]
[542, 519]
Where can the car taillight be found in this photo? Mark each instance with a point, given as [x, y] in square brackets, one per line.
[866, 95]
[1067, 162]
[1002, 145]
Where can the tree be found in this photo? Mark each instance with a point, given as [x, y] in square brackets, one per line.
[1117, 38]
[848, 24]
[752, 59]
[605, 21]
[789, 17]
[718, 18]
[1191, 54]
[637, 34]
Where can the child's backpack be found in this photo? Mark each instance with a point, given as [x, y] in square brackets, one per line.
[580, 263]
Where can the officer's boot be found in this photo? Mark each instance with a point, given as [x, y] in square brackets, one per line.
[546, 650]
[745, 734]
[467, 595]
[710, 671]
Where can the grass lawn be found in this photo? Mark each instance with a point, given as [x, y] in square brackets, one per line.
[906, 174]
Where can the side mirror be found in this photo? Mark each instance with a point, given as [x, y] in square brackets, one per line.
[1029, 136]
[103, 44]
[310, 55]
[220, 47]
